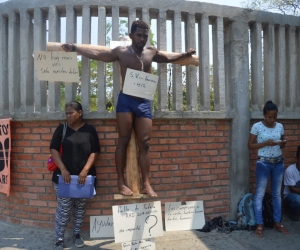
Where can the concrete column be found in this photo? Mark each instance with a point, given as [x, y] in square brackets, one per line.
[177, 69]
[256, 67]
[218, 63]
[290, 69]
[115, 37]
[204, 63]
[280, 68]
[146, 18]
[131, 17]
[240, 128]
[71, 30]
[54, 98]
[26, 63]
[191, 71]
[162, 67]
[269, 63]
[297, 70]
[40, 87]
[14, 62]
[85, 73]
[101, 65]
[4, 108]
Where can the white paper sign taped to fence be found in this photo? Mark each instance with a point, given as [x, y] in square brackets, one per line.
[56, 66]
[137, 221]
[140, 84]
[184, 216]
[114, 44]
[147, 244]
[101, 226]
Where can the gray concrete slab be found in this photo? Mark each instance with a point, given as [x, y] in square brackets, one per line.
[16, 237]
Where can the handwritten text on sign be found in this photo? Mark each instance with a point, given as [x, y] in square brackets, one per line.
[140, 84]
[148, 244]
[101, 226]
[137, 221]
[184, 217]
[56, 66]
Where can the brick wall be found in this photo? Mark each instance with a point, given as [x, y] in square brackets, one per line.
[291, 131]
[189, 161]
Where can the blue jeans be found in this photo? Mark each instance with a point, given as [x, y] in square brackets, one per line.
[262, 172]
[293, 202]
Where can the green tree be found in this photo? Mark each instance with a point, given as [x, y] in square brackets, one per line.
[288, 7]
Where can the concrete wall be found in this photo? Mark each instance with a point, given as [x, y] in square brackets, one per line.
[245, 43]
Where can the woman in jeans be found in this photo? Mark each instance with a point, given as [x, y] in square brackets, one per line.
[268, 137]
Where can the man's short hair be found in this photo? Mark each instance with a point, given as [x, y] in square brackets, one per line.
[298, 151]
[138, 24]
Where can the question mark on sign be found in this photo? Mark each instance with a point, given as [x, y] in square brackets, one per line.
[154, 224]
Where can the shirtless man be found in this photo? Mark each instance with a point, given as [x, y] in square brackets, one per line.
[132, 111]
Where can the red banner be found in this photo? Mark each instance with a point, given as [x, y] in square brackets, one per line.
[5, 148]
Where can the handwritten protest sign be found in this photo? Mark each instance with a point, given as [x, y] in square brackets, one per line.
[56, 66]
[114, 44]
[147, 244]
[101, 226]
[5, 148]
[137, 221]
[140, 84]
[187, 216]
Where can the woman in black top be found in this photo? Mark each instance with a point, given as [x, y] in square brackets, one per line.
[80, 148]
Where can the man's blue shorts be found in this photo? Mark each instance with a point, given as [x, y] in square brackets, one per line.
[140, 107]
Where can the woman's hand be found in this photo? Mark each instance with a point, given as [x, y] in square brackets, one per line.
[66, 176]
[82, 177]
[271, 143]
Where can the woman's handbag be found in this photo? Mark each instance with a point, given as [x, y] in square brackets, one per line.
[51, 166]
[75, 190]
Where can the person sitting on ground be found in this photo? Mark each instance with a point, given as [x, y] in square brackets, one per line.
[132, 111]
[268, 137]
[292, 188]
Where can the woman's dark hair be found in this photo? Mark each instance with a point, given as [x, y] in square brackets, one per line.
[140, 24]
[298, 151]
[75, 105]
[269, 106]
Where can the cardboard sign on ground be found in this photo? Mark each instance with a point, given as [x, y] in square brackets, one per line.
[147, 244]
[137, 221]
[101, 226]
[184, 216]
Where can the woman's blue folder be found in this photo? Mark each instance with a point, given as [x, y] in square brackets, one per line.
[74, 190]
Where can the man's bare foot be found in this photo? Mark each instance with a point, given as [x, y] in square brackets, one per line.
[124, 190]
[147, 189]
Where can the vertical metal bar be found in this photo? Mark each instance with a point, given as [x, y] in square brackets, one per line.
[54, 100]
[256, 67]
[191, 71]
[218, 65]
[70, 87]
[40, 87]
[162, 68]
[4, 107]
[177, 69]
[115, 37]
[14, 62]
[204, 81]
[101, 65]
[85, 73]
[269, 63]
[280, 70]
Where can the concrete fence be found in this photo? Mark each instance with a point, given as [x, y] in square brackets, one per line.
[255, 57]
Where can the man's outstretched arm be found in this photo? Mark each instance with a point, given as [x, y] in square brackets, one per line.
[163, 57]
[101, 53]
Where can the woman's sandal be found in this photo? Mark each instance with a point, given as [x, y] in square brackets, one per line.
[258, 232]
[281, 229]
